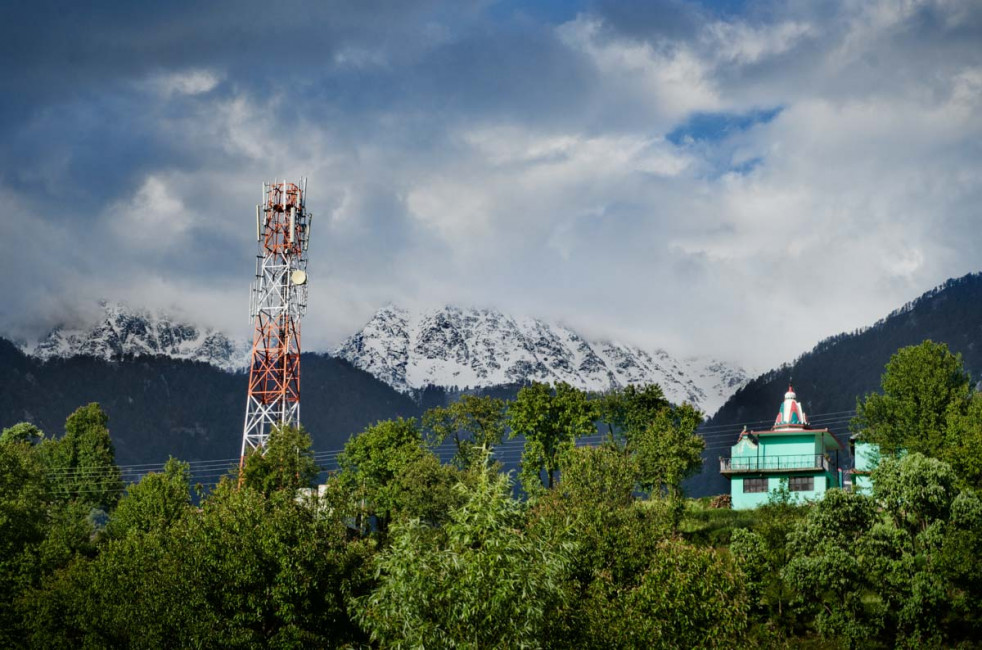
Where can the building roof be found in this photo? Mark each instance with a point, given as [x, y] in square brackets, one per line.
[791, 418]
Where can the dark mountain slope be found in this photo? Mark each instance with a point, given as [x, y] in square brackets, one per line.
[160, 407]
[830, 377]
[839, 369]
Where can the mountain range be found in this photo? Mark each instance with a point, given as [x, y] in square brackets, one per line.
[449, 348]
[455, 349]
[171, 388]
[124, 331]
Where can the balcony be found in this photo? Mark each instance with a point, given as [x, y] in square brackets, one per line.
[775, 464]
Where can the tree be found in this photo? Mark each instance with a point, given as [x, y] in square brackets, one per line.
[632, 409]
[668, 449]
[612, 537]
[763, 552]
[905, 576]
[600, 478]
[688, 598]
[389, 473]
[23, 493]
[827, 575]
[286, 462]
[479, 583]
[963, 446]
[916, 491]
[82, 464]
[921, 386]
[247, 570]
[156, 502]
[22, 432]
[473, 423]
[906, 554]
[551, 421]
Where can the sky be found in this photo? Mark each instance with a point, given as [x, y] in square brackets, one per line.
[737, 179]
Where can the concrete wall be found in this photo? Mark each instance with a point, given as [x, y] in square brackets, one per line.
[748, 500]
[867, 457]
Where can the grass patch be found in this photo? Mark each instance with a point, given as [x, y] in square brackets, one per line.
[712, 526]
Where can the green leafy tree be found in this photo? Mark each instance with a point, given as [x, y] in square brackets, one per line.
[761, 553]
[22, 432]
[922, 385]
[597, 478]
[473, 423]
[286, 462]
[915, 491]
[826, 576]
[688, 598]
[612, 537]
[905, 576]
[481, 582]
[389, 474]
[963, 446]
[632, 409]
[958, 562]
[82, 464]
[23, 493]
[424, 490]
[550, 420]
[668, 449]
[156, 502]
[248, 570]
[906, 553]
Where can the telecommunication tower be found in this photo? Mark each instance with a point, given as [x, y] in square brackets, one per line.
[277, 302]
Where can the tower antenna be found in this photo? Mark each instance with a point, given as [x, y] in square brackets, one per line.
[278, 300]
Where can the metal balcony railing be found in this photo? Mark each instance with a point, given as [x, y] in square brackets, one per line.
[795, 463]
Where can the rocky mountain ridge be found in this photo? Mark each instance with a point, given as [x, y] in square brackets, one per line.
[123, 331]
[458, 348]
[450, 347]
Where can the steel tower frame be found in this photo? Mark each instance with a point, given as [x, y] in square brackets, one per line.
[278, 300]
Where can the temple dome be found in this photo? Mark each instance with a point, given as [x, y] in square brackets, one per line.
[791, 415]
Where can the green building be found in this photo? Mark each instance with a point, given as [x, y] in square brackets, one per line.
[791, 452]
[866, 456]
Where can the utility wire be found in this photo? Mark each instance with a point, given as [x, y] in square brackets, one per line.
[446, 450]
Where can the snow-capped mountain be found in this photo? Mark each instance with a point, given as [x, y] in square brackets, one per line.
[448, 347]
[122, 331]
[474, 348]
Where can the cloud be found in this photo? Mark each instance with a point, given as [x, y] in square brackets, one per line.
[187, 82]
[740, 183]
[153, 219]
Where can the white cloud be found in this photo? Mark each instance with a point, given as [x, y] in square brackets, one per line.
[741, 43]
[861, 193]
[667, 76]
[186, 82]
[154, 218]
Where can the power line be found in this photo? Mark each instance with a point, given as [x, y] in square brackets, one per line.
[506, 450]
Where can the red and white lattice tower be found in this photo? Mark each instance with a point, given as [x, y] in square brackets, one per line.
[278, 301]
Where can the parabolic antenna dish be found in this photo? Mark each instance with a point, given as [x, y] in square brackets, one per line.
[299, 277]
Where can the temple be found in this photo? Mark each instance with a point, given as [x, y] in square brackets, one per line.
[791, 454]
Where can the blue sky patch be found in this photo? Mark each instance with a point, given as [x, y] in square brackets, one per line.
[712, 127]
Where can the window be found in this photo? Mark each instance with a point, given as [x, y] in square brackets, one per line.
[802, 483]
[754, 485]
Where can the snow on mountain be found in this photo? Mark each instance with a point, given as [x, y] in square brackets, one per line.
[121, 331]
[475, 348]
[448, 347]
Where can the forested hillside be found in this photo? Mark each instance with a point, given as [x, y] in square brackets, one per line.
[161, 407]
[842, 368]
[599, 548]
